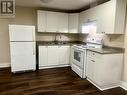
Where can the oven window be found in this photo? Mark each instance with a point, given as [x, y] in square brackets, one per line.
[77, 56]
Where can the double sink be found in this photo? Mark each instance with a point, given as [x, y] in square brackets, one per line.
[56, 43]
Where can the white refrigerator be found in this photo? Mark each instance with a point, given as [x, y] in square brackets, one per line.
[22, 48]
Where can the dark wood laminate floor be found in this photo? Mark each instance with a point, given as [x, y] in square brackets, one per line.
[60, 81]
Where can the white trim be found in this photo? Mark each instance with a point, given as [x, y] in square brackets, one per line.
[3, 65]
[123, 85]
[105, 87]
[55, 66]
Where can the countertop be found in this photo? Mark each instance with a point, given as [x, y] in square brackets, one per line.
[104, 50]
[53, 43]
[107, 50]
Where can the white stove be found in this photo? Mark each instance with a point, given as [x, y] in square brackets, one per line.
[79, 54]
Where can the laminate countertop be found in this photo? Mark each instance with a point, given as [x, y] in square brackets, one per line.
[53, 43]
[107, 50]
[104, 50]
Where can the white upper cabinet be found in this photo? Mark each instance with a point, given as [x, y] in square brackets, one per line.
[85, 17]
[74, 23]
[41, 20]
[111, 17]
[63, 22]
[52, 21]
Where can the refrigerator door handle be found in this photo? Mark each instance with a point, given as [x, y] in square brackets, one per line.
[33, 35]
[33, 49]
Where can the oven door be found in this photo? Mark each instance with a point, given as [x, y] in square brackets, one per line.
[77, 57]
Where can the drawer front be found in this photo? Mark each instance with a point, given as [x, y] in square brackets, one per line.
[93, 55]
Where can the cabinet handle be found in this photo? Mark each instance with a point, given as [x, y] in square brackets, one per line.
[92, 60]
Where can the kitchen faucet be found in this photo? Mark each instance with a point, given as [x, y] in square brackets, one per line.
[56, 37]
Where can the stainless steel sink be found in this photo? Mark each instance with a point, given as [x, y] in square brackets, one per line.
[57, 43]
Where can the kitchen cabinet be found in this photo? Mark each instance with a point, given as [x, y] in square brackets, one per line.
[86, 17]
[52, 22]
[74, 23]
[111, 17]
[63, 22]
[101, 69]
[41, 21]
[49, 21]
[64, 55]
[54, 56]
[43, 55]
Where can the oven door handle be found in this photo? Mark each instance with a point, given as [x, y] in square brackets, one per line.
[77, 49]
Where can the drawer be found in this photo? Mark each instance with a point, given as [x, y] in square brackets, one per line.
[93, 55]
[77, 70]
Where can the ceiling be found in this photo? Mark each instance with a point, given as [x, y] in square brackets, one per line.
[57, 4]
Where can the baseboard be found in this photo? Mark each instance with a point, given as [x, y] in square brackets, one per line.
[4, 65]
[105, 87]
[55, 66]
[123, 85]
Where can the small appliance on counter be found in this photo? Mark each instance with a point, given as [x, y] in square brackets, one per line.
[78, 55]
[22, 48]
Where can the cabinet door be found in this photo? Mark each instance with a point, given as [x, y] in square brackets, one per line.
[106, 17]
[41, 21]
[43, 56]
[53, 55]
[73, 23]
[63, 22]
[84, 18]
[52, 22]
[90, 68]
[64, 55]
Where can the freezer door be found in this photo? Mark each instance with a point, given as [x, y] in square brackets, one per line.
[21, 33]
[23, 56]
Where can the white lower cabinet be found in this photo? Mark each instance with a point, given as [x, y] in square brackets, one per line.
[43, 55]
[64, 55]
[54, 56]
[104, 70]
